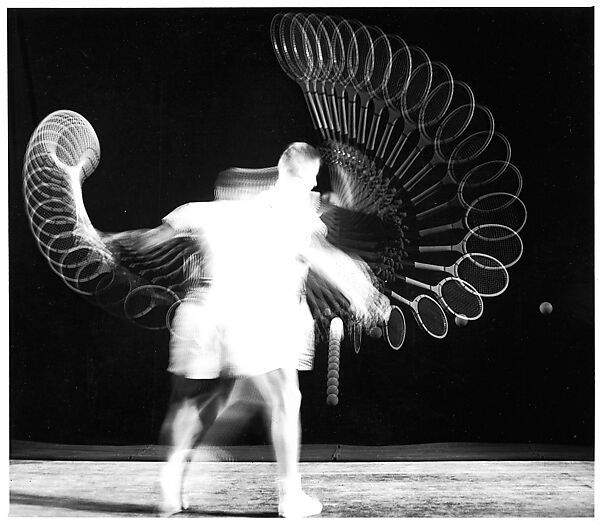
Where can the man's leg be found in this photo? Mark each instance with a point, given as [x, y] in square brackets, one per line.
[194, 406]
[281, 392]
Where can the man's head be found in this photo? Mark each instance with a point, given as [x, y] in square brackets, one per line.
[300, 162]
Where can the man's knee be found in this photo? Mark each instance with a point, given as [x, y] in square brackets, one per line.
[288, 390]
[292, 398]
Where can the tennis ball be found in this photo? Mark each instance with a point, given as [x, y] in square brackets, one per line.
[460, 321]
[546, 308]
[332, 381]
[332, 390]
[332, 400]
[376, 332]
[333, 373]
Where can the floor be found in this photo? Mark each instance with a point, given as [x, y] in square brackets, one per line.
[437, 488]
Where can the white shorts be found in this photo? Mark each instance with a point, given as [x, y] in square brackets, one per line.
[208, 341]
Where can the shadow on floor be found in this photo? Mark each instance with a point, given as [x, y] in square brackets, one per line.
[100, 506]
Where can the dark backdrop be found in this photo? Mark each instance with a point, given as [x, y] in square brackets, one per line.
[177, 95]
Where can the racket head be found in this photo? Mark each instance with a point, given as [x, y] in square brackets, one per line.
[324, 27]
[435, 106]
[487, 275]
[359, 54]
[379, 60]
[495, 240]
[341, 44]
[395, 328]
[418, 87]
[398, 77]
[496, 176]
[430, 316]
[302, 51]
[305, 47]
[498, 153]
[65, 144]
[178, 321]
[451, 128]
[286, 26]
[113, 288]
[497, 208]
[277, 43]
[470, 148]
[459, 298]
[149, 305]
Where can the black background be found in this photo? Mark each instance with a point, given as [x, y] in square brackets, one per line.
[177, 95]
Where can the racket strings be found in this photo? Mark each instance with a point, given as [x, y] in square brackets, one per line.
[497, 208]
[486, 274]
[431, 317]
[461, 299]
[379, 62]
[499, 242]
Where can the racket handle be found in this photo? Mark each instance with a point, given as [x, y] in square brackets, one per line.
[336, 118]
[398, 147]
[433, 210]
[385, 139]
[356, 336]
[312, 112]
[419, 176]
[373, 130]
[414, 282]
[428, 192]
[434, 249]
[408, 162]
[336, 332]
[342, 112]
[397, 297]
[352, 125]
[428, 267]
[322, 100]
[438, 229]
[321, 114]
[362, 123]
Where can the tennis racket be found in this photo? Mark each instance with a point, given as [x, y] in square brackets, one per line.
[455, 295]
[486, 274]
[428, 314]
[406, 107]
[494, 208]
[495, 240]
[397, 74]
[432, 110]
[280, 40]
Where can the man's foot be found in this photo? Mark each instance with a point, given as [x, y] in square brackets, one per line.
[185, 502]
[166, 509]
[298, 505]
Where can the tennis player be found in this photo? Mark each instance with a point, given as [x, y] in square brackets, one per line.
[251, 321]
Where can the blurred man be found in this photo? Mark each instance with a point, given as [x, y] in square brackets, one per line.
[251, 320]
